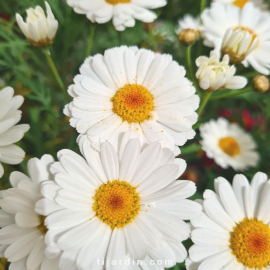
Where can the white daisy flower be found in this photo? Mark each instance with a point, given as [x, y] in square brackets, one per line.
[214, 75]
[122, 12]
[189, 22]
[39, 30]
[228, 144]
[241, 3]
[118, 206]
[9, 133]
[22, 237]
[233, 17]
[233, 233]
[132, 89]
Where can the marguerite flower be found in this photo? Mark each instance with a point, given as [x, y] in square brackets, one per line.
[22, 237]
[118, 206]
[122, 12]
[132, 89]
[39, 30]
[228, 144]
[233, 17]
[9, 133]
[233, 232]
[214, 75]
[241, 3]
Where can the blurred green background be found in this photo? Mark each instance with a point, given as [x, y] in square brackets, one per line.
[25, 69]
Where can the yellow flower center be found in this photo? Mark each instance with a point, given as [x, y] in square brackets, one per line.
[240, 3]
[42, 227]
[250, 243]
[133, 103]
[230, 146]
[115, 2]
[116, 203]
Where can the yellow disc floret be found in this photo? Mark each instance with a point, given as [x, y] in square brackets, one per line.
[42, 227]
[116, 203]
[230, 146]
[250, 243]
[240, 3]
[115, 2]
[133, 103]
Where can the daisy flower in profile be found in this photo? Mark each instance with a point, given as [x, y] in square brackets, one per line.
[215, 75]
[119, 205]
[132, 89]
[233, 232]
[228, 144]
[241, 3]
[122, 12]
[22, 237]
[235, 18]
[9, 133]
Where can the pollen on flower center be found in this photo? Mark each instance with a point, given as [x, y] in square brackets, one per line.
[240, 3]
[230, 146]
[115, 2]
[42, 227]
[133, 103]
[250, 243]
[116, 203]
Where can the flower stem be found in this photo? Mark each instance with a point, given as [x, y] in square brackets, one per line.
[190, 69]
[203, 4]
[206, 98]
[251, 74]
[236, 93]
[54, 70]
[152, 37]
[90, 40]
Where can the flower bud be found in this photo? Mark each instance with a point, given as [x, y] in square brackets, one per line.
[260, 84]
[214, 75]
[188, 36]
[39, 30]
[238, 44]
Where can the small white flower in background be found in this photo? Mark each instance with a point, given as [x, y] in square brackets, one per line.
[133, 89]
[122, 12]
[121, 205]
[228, 144]
[249, 19]
[22, 237]
[214, 75]
[9, 133]
[233, 231]
[241, 3]
[238, 44]
[39, 30]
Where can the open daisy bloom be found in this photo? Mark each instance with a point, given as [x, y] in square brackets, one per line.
[132, 89]
[233, 233]
[119, 206]
[233, 17]
[228, 144]
[22, 237]
[123, 12]
[9, 133]
[241, 3]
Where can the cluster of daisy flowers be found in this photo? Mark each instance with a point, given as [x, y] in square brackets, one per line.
[119, 203]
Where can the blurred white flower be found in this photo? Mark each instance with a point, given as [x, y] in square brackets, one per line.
[220, 17]
[228, 144]
[214, 75]
[241, 3]
[9, 133]
[238, 44]
[122, 12]
[39, 30]
[189, 22]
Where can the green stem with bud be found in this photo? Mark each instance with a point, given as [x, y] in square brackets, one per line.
[205, 100]
[152, 37]
[54, 70]
[90, 40]
[235, 93]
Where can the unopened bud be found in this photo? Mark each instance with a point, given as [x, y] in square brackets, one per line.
[260, 84]
[187, 36]
[39, 30]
